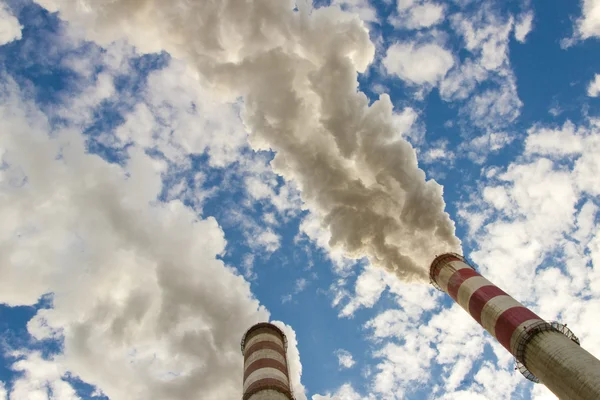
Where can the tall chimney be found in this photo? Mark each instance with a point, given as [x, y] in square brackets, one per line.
[554, 358]
[266, 374]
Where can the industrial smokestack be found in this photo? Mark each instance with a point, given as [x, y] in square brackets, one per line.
[544, 351]
[266, 374]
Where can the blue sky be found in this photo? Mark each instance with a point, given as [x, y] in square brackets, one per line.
[164, 185]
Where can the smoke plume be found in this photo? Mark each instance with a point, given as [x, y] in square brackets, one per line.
[145, 307]
[296, 69]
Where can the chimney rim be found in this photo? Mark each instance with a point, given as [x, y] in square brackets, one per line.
[438, 261]
[267, 325]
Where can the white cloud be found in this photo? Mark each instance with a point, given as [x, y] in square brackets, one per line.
[345, 359]
[589, 23]
[3, 395]
[438, 153]
[524, 26]
[362, 8]
[452, 332]
[486, 35]
[262, 186]
[548, 198]
[491, 142]
[490, 382]
[554, 142]
[179, 115]
[150, 290]
[405, 4]
[417, 14]
[39, 376]
[593, 89]
[451, 341]
[486, 38]
[414, 299]
[546, 206]
[570, 140]
[426, 15]
[368, 289]
[10, 29]
[461, 81]
[484, 83]
[495, 108]
[418, 63]
[345, 392]
[268, 240]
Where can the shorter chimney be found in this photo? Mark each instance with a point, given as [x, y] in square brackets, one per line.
[266, 374]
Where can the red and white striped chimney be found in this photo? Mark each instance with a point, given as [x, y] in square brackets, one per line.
[568, 370]
[266, 374]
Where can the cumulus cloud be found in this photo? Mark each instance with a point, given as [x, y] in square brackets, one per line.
[593, 89]
[524, 26]
[179, 115]
[538, 200]
[418, 63]
[345, 392]
[589, 23]
[345, 359]
[568, 140]
[292, 68]
[541, 227]
[412, 350]
[408, 362]
[10, 29]
[150, 292]
[37, 377]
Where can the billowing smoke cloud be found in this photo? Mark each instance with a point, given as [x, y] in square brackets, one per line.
[293, 357]
[296, 69]
[145, 307]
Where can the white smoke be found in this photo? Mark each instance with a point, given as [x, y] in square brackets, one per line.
[146, 309]
[296, 69]
[293, 358]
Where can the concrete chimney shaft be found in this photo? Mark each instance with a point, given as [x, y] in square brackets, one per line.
[569, 371]
[266, 374]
